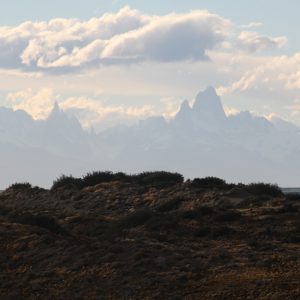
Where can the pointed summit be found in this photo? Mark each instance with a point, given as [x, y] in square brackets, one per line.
[184, 108]
[208, 104]
[184, 112]
[55, 111]
[56, 106]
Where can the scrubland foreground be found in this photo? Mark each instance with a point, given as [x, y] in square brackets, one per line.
[149, 236]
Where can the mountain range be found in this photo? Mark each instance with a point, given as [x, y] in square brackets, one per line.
[201, 140]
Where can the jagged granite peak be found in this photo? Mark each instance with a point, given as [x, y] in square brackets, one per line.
[184, 112]
[56, 107]
[60, 120]
[56, 111]
[185, 107]
[209, 103]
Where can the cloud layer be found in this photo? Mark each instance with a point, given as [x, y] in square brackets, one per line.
[127, 36]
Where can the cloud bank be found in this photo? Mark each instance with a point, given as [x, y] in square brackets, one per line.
[125, 37]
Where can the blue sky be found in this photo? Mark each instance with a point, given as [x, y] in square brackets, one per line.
[254, 68]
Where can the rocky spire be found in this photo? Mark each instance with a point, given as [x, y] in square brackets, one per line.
[208, 104]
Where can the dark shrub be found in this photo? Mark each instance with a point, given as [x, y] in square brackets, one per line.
[208, 182]
[221, 231]
[67, 182]
[94, 178]
[293, 239]
[89, 224]
[170, 204]
[190, 214]
[162, 222]
[136, 218]
[40, 221]
[205, 210]
[20, 186]
[292, 196]
[289, 208]
[120, 176]
[225, 255]
[4, 210]
[203, 232]
[198, 212]
[264, 189]
[159, 179]
[228, 216]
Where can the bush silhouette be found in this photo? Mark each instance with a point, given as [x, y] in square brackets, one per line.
[159, 179]
[292, 197]
[94, 178]
[208, 182]
[67, 181]
[120, 176]
[264, 189]
[20, 186]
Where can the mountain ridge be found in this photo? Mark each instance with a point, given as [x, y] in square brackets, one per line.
[199, 140]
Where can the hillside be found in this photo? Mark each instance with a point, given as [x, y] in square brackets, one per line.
[149, 239]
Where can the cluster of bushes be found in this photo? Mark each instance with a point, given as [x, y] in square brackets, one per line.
[159, 179]
[20, 186]
[208, 182]
[260, 188]
[292, 197]
[66, 182]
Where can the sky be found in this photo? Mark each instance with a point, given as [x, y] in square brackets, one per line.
[111, 62]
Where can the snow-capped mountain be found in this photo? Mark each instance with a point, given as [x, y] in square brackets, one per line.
[199, 141]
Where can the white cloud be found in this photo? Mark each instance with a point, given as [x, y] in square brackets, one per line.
[38, 44]
[172, 37]
[268, 84]
[92, 112]
[124, 37]
[254, 42]
[37, 104]
[252, 25]
[269, 73]
[171, 106]
[229, 111]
